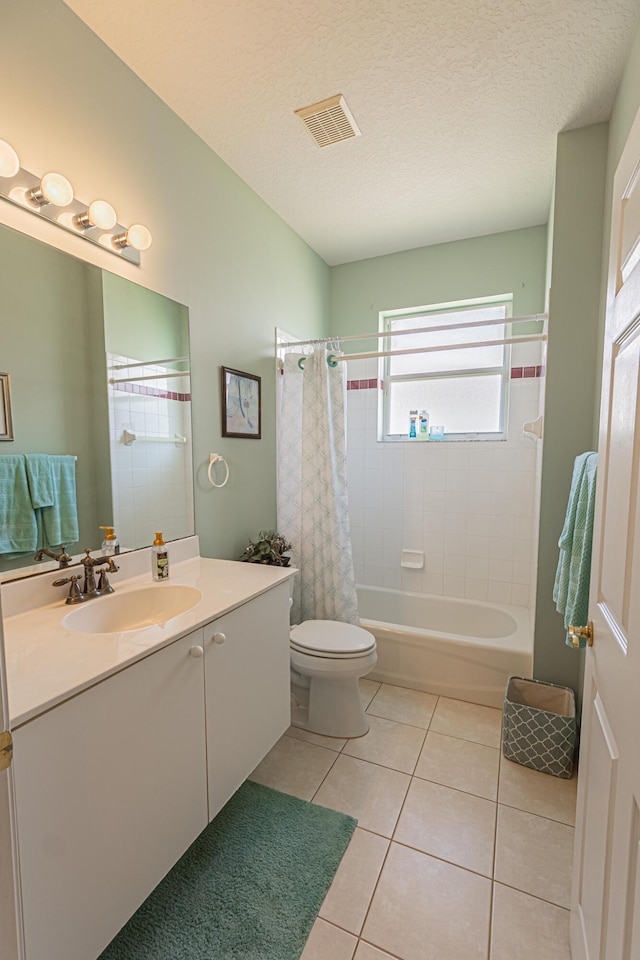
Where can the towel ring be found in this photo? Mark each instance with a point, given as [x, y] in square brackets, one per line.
[213, 459]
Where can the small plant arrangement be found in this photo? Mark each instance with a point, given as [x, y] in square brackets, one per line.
[270, 547]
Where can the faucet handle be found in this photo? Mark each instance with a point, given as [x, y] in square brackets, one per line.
[75, 596]
[63, 557]
[103, 583]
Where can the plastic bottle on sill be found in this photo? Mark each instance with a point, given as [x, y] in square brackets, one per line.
[159, 558]
[110, 545]
[413, 419]
[423, 431]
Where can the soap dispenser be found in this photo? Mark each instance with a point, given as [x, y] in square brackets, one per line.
[110, 545]
[159, 558]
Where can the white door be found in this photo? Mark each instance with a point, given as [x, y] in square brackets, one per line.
[605, 918]
[8, 861]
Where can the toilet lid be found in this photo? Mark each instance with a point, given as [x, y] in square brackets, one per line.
[331, 638]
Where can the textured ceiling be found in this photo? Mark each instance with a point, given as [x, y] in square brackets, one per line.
[459, 103]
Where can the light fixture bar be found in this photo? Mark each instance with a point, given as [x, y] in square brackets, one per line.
[21, 189]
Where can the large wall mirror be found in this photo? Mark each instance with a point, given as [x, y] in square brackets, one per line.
[98, 370]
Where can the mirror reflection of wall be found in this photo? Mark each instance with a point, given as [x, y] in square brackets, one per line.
[59, 320]
[147, 341]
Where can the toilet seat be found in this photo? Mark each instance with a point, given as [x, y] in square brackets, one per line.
[332, 639]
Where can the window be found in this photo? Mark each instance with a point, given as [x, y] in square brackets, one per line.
[465, 391]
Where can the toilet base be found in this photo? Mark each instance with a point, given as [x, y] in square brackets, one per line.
[331, 708]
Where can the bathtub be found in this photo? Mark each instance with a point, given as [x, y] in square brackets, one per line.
[457, 648]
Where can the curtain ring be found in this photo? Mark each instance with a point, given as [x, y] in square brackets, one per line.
[331, 360]
[301, 363]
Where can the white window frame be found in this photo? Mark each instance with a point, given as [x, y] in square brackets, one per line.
[395, 343]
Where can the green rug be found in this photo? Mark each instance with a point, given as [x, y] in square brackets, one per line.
[249, 887]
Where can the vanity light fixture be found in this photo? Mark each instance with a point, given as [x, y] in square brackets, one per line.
[99, 214]
[52, 198]
[9, 160]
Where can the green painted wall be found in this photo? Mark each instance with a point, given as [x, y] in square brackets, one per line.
[142, 324]
[49, 306]
[572, 364]
[217, 247]
[512, 262]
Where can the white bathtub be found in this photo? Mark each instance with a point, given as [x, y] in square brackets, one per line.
[457, 648]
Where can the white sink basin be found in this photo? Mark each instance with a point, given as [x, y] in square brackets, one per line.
[122, 612]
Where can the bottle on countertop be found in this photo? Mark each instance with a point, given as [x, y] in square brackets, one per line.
[423, 431]
[110, 545]
[159, 558]
[413, 419]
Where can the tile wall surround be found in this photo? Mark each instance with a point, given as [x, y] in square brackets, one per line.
[471, 506]
[150, 480]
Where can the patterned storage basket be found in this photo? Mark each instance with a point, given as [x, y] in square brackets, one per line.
[539, 726]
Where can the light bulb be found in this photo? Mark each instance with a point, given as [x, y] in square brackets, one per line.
[100, 214]
[137, 236]
[55, 189]
[9, 160]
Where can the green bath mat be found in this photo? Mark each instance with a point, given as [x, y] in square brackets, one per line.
[249, 887]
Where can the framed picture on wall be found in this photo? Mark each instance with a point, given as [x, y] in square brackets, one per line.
[6, 423]
[241, 404]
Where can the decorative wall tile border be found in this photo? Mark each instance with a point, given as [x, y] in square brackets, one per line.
[517, 373]
[141, 388]
[371, 384]
[524, 373]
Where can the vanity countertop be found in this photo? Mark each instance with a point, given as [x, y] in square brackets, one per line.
[46, 663]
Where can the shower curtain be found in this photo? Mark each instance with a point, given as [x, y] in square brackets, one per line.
[313, 510]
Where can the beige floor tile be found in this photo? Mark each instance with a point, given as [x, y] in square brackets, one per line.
[448, 824]
[371, 794]
[294, 767]
[526, 928]
[327, 942]
[368, 690]
[534, 855]
[469, 721]
[389, 743]
[405, 706]
[347, 901]
[467, 766]
[331, 743]
[537, 792]
[425, 909]
[366, 952]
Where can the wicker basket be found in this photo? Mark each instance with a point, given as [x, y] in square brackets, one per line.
[539, 726]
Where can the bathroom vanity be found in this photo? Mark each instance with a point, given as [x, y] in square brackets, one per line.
[127, 743]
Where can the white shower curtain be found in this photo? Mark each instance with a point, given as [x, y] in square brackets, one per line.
[313, 509]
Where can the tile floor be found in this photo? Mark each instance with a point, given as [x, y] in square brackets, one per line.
[459, 854]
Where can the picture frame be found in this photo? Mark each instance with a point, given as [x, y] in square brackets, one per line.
[241, 404]
[6, 420]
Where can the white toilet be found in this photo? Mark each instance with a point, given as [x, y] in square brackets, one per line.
[327, 660]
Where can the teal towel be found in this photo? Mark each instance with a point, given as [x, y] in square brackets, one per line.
[571, 587]
[18, 529]
[60, 520]
[40, 479]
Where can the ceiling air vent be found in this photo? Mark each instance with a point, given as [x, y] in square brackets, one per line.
[329, 121]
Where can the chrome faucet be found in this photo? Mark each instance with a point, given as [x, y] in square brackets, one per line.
[63, 557]
[89, 587]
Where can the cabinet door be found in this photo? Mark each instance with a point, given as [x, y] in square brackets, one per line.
[247, 690]
[110, 790]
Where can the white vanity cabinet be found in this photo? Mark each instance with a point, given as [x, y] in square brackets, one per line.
[247, 689]
[114, 783]
[111, 790]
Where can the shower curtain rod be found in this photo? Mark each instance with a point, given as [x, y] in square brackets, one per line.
[533, 318]
[333, 359]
